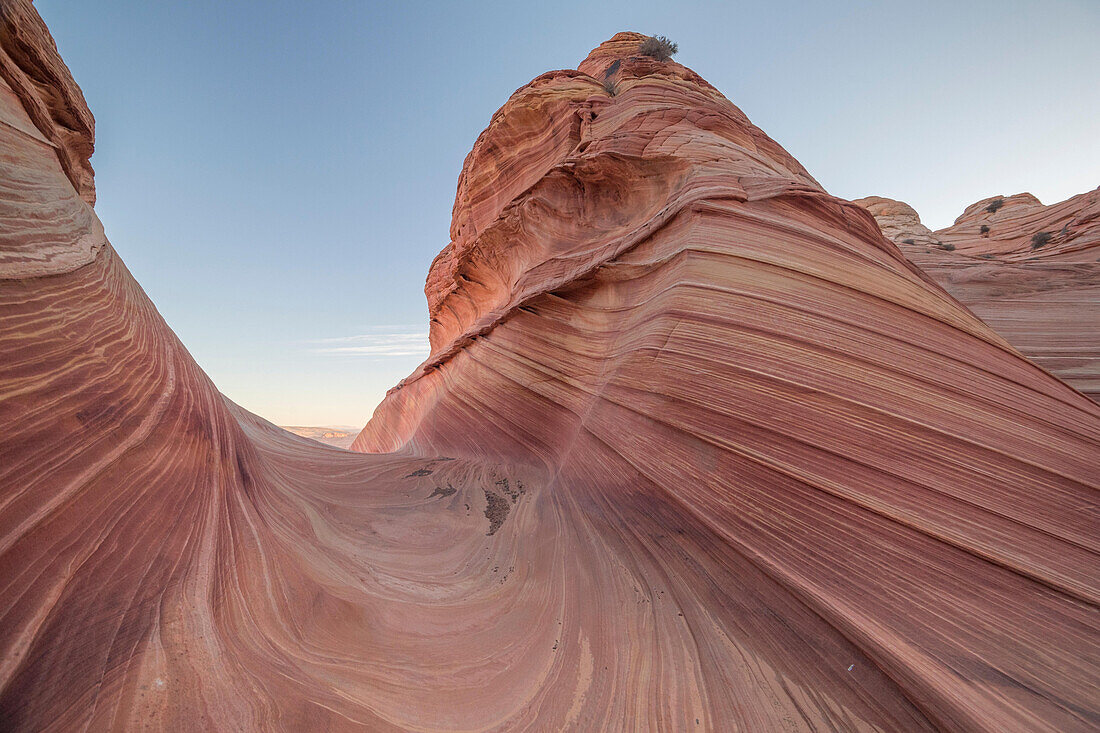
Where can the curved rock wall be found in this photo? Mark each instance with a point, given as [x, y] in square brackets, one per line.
[696, 448]
[755, 360]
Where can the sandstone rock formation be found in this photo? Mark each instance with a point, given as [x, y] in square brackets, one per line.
[47, 191]
[899, 222]
[1013, 222]
[1032, 272]
[696, 449]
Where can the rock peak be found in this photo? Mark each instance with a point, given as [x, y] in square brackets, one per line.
[898, 220]
[615, 139]
[980, 209]
[620, 46]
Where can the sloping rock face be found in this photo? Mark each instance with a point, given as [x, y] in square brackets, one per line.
[696, 449]
[1030, 271]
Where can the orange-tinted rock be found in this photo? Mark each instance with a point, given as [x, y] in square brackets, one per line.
[340, 438]
[696, 448]
[899, 222]
[1041, 293]
[553, 145]
[1073, 227]
[679, 325]
[47, 225]
[36, 75]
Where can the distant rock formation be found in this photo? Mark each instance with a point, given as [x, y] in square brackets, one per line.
[696, 448]
[899, 222]
[1021, 229]
[339, 437]
[1030, 271]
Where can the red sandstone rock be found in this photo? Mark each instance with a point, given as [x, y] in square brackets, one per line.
[47, 225]
[899, 222]
[1073, 227]
[1040, 293]
[32, 70]
[696, 448]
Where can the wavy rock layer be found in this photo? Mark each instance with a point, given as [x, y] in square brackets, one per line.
[1042, 295]
[696, 448]
[677, 322]
[1013, 222]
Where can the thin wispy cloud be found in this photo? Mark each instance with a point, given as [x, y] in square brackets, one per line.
[379, 342]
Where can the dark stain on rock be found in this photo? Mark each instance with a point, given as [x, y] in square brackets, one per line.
[420, 472]
[511, 493]
[440, 491]
[496, 510]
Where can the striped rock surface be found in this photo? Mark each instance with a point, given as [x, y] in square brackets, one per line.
[696, 449]
[1073, 227]
[1042, 294]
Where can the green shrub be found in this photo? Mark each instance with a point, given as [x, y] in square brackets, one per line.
[948, 246]
[994, 205]
[984, 229]
[1040, 238]
[658, 47]
[907, 241]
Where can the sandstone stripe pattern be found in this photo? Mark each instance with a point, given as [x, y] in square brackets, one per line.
[696, 449]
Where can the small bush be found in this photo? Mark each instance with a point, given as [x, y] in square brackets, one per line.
[994, 205]
[658, 47]
[907, 241]
[948, 246]
[610, 87]
[984, 229]
[1040, 238]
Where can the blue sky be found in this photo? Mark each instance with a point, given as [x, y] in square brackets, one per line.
[279, 175]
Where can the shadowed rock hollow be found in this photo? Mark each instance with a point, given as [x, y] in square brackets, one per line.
[696, 448]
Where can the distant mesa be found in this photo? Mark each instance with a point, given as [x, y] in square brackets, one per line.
[339, 437]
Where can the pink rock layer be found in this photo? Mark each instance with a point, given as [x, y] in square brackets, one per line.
[1041, 293]
[696, 449]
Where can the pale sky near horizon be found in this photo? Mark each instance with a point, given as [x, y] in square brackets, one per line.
[279, 175]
